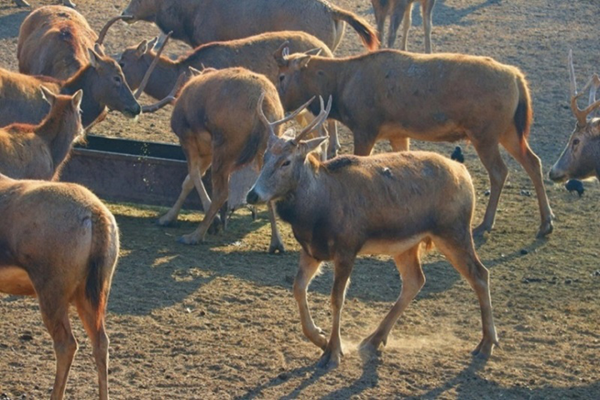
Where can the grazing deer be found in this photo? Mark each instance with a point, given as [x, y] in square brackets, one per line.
[397, 95]
[253, 53]
[384, 204]
[216, 123]
[102, 82]
[400, 11]
[198, 22]
[55, 41]
[60, 243]
[581, 157]
[40, 151]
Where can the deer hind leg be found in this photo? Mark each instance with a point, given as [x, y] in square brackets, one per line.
[171, 215]
[93, 322]
[427, 11]
[533, 166]
[307, 269]
[333, 351]
[334, 142]
[55, 313]
[400, 143]
[460, 251]
[489, 154]
[220, 186]
[413, 279]
[276, 243]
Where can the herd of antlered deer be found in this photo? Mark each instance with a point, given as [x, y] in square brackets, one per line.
[230, 96]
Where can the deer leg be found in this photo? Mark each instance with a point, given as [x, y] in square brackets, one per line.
[533, 166]
[93, 322]
[334, 142]
[333, 351]
[489, 155]
[380, 15]
[426, 12]
[307, 269]
[220, 182]
[69, 3]
[171, 215]
[413, 279]
[399, 15]
[400, 144]
[363, 143]
[276, 243]
[460, 251]
[55, 313]
[22, 3]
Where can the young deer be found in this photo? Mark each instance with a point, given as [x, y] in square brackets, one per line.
[40, 151]
[581, 157]
[384, 204]
[400, 11]
[60, 243]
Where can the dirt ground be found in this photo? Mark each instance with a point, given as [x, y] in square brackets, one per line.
[219, 320]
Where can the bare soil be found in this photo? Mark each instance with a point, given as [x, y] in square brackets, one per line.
[219, 320]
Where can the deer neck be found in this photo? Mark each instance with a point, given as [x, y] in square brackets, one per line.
[163, 78]
[178, 17]
[90, 106]
[58, 133]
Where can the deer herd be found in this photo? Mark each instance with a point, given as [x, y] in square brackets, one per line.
[253, 61]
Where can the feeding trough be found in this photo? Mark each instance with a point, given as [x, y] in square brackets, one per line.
[151, 173]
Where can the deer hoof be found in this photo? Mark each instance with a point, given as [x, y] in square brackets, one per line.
[545, 229]
[481, 229]
[330, 359]
[189, 239]
[275, 248]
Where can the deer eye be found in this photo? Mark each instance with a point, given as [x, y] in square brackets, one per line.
[281, 78]
[117, 79]
[122, 65]
[286, 163]
[575, 142]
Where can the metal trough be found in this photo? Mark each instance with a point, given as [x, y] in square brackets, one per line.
[125, 170]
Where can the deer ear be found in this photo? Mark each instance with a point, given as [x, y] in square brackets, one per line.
[281, 53]
[94, 58]
[47, 95]
[142, 48]
[77, 98]
[307, 146]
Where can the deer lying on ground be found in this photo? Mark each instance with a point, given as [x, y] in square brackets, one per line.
[216, 123]
[400, 11]
[55, 41]
[397, 95]
[60, 243]
[23, 3]
[253, 53]
[205, 21]
[581, 157]
[385, 204]
[102, 82]
[40, 151]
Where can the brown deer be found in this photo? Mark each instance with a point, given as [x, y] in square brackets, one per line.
[40, 151]
[253, 53]
[23, 3]
[215, 120]
[400, 11]
[55, 41]
[397, 95]
[384, 204]
[60, 243]
[581, 157]
[102, 82]
[205, 21]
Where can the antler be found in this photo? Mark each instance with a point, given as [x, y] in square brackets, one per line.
[317, 121]
[170, 97]
[110, 22]
[140, 90]
[594, 82]
[272, 125]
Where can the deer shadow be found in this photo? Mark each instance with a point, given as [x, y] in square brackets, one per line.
[10, 24]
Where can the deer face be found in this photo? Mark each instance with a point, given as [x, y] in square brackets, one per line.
[292, 79]
[110, 88]
[142, 10]
[579, 159]
[134, 64]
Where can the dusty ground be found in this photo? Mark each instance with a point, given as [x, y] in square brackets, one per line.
[219, 320]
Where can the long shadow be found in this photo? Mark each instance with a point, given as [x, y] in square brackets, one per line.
[10, 24]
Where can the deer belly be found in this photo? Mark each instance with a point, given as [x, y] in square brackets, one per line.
[389, 246]
[15, 281]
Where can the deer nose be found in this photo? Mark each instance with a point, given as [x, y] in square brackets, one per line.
[252, 197]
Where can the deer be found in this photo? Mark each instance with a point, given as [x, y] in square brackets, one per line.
[395, 95]
[395, 204]
[580, 158]
[205, 21]
[40, 151]
[400, 11]
[253, 53]
[55, 41]
[59, 243]
[23, 3]
[214, 118]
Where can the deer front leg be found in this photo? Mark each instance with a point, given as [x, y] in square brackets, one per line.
[307, 269]
[333, 352]
[276, 243]
[171, 215]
